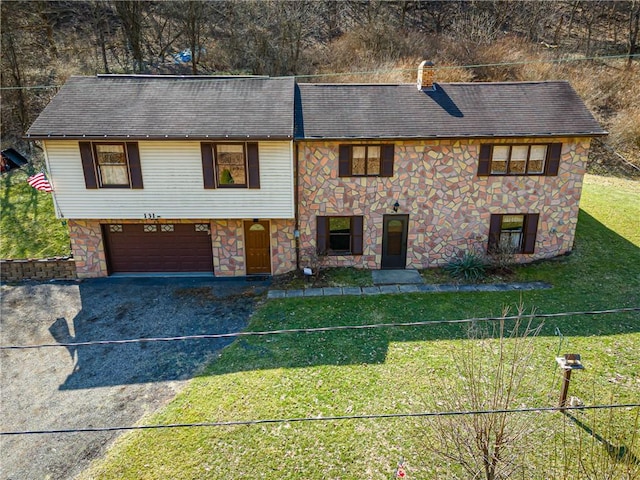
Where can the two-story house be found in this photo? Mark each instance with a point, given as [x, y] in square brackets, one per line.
[391, 176]
[173, 174]
[240, 176]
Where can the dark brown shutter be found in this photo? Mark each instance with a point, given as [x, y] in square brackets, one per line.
[387, 161]
[88, 167]
[254, 165]
[553, 159]
[321, 237]
[530, 230]
[134, 165]
[357, 227]
[495, 225]
[206, 150]
[344, 162]
[484, 160]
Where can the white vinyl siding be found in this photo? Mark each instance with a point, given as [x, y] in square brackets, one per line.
[173, 185]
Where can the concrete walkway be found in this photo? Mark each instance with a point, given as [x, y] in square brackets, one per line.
[396, 277]
[406, 288]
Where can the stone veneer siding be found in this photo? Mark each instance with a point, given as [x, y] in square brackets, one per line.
[227, 238]
[283, 246]
[449, 206]
[87, 248]
[227, 243]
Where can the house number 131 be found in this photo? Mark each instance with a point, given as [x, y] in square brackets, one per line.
[151, 215]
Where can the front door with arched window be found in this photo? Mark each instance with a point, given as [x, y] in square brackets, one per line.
[394, 241]
[257, 247]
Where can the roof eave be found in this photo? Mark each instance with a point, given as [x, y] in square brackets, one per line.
[29, 136]
[446, 137]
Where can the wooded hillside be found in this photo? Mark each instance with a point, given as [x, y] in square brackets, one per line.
[43, 43]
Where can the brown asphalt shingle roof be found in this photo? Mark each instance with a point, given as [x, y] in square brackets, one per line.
[504, 109]
[169, 107]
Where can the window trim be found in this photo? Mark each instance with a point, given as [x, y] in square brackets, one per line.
[91, 168]
[101, 184]
[551, 160]
[246, 167]
[209, 155]
[366, 161]
[529, 232]
[345, 159]
[323, 237]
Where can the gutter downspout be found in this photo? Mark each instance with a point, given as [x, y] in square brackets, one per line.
[295, 200]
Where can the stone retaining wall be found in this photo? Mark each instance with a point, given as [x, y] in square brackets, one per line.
[58, 268]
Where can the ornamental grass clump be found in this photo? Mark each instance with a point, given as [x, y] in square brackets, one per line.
[470, 267]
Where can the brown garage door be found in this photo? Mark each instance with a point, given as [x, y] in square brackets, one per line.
[176, 247]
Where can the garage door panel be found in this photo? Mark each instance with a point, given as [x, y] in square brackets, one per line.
[132, 249]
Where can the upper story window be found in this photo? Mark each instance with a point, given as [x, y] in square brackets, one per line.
[230, 165]
[530, 159]
[111, 164]
[111, 160]
[366, 160]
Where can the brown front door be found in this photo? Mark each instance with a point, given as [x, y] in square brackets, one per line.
[394, 241]
[257, 247]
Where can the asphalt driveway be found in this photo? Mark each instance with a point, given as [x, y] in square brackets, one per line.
[102, 385]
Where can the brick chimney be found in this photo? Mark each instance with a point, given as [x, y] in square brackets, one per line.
[426, 75]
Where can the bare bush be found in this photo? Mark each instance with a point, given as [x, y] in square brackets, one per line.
[501, 258]
[310, 258]
[478, 27]
[597, 432]
[495, 369]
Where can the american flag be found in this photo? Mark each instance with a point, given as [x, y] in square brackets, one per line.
[39, 182]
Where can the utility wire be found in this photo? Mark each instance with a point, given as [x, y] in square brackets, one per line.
[380, 72]
[480, 65]
[319, 329]
[236, 423]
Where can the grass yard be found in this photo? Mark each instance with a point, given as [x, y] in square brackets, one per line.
[404, 370]
[27, 221]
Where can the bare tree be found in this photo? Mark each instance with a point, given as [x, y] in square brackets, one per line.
[495, 374]
[269, 37]
[46, 21]
[130, 13]
[193, 19]
[591, 12]
[14, 71]
[15, 102]
[634, 27]
[100, 14]
[435, 16]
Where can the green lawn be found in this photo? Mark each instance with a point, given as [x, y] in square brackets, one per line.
[413, 370]
[28, 226]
